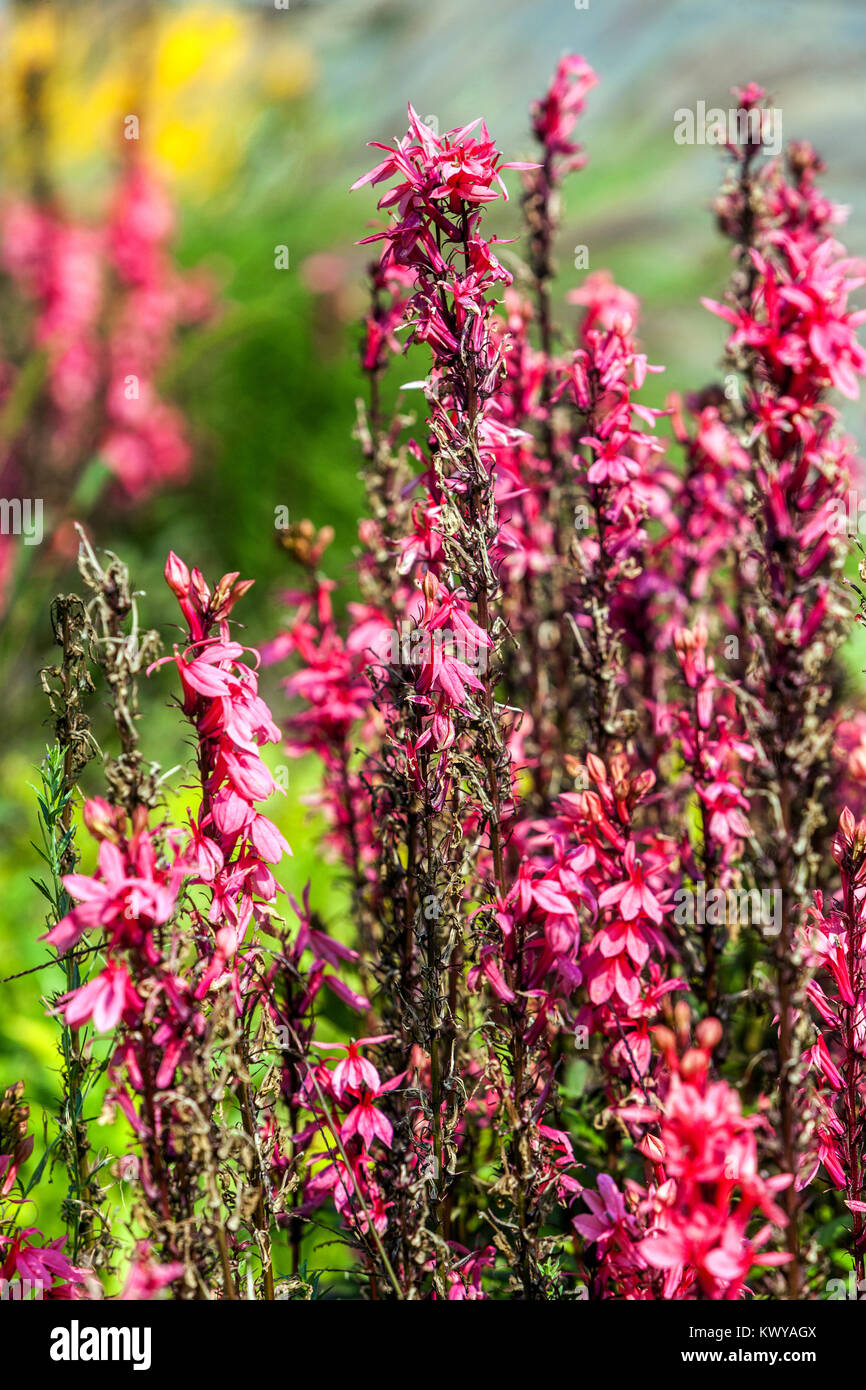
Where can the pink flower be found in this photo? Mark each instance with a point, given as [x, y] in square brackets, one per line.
[608, 1212]
[355, 1073]
[104, 999]
[368, 1122]
[23, 1255]
[448, 167]
[147, 1276]
[127, 896]
[633, 894]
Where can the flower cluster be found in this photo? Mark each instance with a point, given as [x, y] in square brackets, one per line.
[345, 1103]
[835, 943]
[517, 828]
[692, 1223]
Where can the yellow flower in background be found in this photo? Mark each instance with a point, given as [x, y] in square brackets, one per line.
[200, 52]
[196, 77]
[84, 124]
[182, 145]
[200, 42]
[31, 38]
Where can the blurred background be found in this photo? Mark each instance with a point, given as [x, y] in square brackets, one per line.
[221, 140]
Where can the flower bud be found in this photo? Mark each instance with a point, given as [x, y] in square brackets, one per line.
[709, 1033]
[101, 819]
[652, 1148]
[665, 1040]
[176, 575]
[693, 1064]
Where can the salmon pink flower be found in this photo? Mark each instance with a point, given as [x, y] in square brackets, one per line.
[104, 999]
[633, 895]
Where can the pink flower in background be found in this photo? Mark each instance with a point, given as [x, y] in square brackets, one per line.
[106, 305]
[147, 1277]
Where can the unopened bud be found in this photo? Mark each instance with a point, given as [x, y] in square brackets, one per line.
[693, 1064]
[177, 575]
[100, 819]
[652, 1148]
[709, 1033]
[665, 1039]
